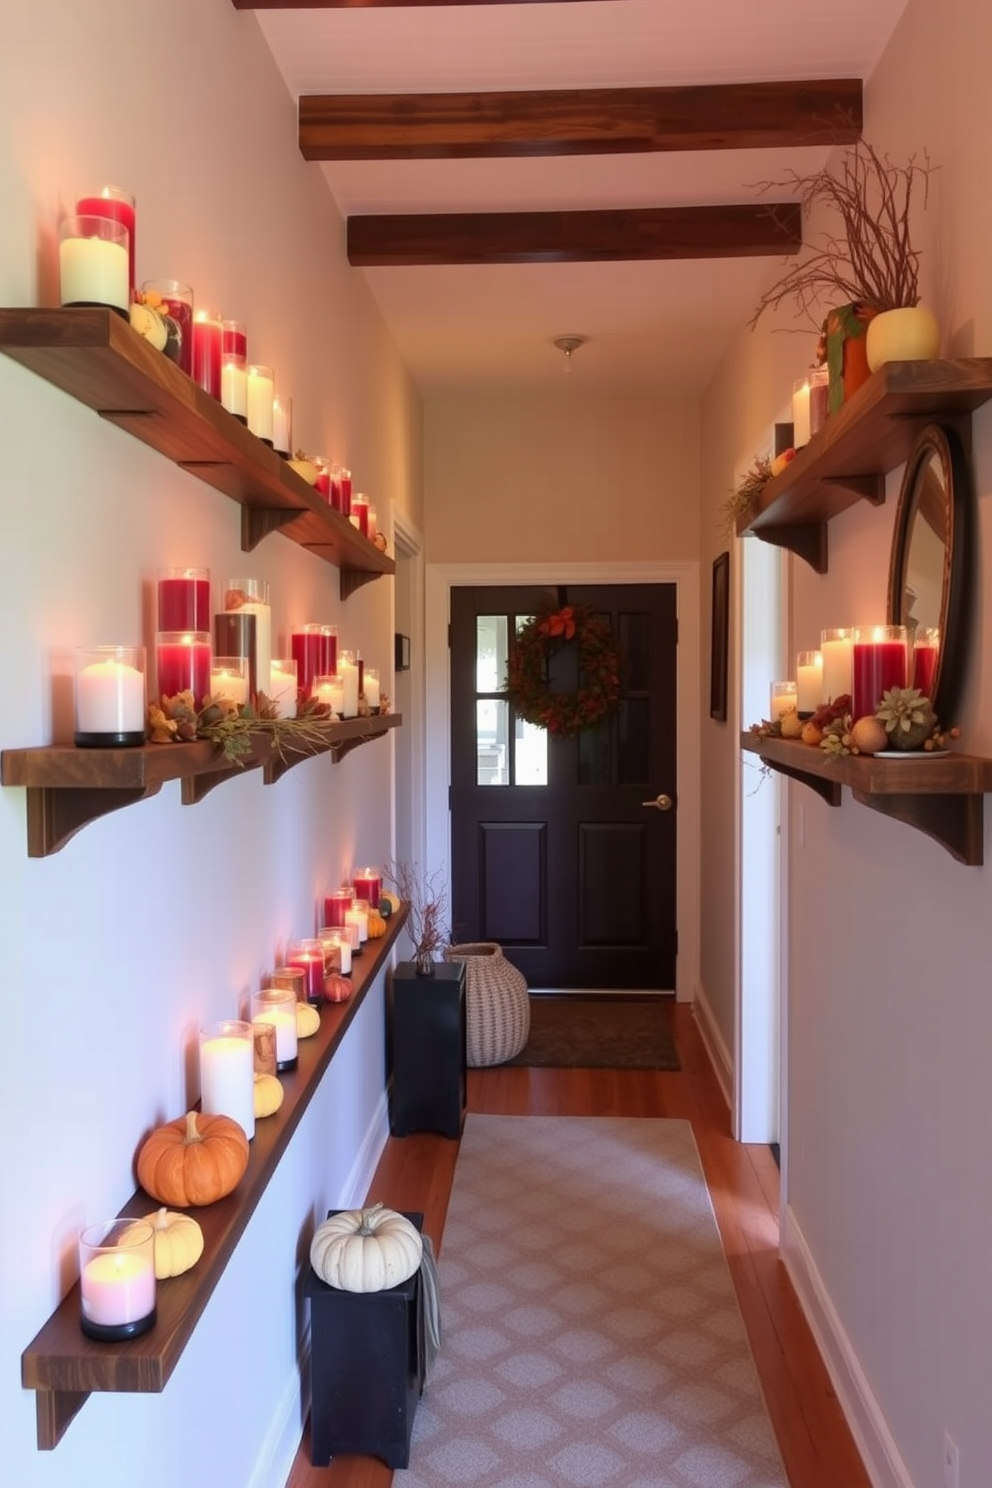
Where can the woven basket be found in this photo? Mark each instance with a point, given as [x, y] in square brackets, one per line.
[497, 1004]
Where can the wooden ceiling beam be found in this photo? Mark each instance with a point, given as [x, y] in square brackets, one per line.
[585, 121]
[574, 237]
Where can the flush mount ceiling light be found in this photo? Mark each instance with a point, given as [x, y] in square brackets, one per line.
[566, 345]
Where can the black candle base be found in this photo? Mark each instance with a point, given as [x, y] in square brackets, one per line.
[117, 1332]
[282, 1065]
[130, 740]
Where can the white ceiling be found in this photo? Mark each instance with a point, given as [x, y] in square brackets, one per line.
[652, 327]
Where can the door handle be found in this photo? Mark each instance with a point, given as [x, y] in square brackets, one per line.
[660, 803]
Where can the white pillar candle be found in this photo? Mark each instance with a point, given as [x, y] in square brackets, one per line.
[341, 940]
[260, 392]
[809, 681]
[229, 684]
[783, 699]
[282, 423]
[227, 1073]
[93, 271]
[277, 1006]
[358, 915]
[282, 684]
[800, 414]
[348, 672]
[234, 389]
[110, 698]
[837, 651]
[371, 683]
[251, 597]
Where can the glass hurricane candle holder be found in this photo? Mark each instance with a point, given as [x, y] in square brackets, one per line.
[182, 662]
[371, 688]
[117, 205]
[173, 299]
[227, 1072]
[244, 597]
[229, 679]
[926, 652]
[314, 647]
[337, 949]
[329, 691]
[837, 651]
[277, 1006]
[368, 885]
[93, 263]
[348, 672]
[282, 424]
[783, 699]
[294, 977]
[308, 956]
[207, 356]
[117, 1279]
[336, 904]
[879, 662]
[260, 393]
[110, 697]
[282, 681]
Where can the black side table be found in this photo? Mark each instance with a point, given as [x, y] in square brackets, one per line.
[428, 1050]
[367, 1364]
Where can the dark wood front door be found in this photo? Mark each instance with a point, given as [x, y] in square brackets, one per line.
[556, 853]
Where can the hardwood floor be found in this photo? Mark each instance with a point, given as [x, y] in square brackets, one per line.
[416, 1173]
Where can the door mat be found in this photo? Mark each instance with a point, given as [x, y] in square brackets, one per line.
[613, 1032]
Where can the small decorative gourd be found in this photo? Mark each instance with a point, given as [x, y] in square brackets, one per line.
[338, 988]
[307, 1020]
[366, 1250]
[178, 1242]
[377, 925]
[268, 1095]
[195, 1159]
[389, 904]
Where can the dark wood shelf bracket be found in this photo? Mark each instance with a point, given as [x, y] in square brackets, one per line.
[955, 821]
[257, 522]
[55, 815]
[807, 542]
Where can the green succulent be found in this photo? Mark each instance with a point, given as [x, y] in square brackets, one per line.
[908, 717]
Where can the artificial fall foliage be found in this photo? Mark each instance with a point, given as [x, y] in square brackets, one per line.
[564, 713]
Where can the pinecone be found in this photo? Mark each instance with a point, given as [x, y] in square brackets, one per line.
[908, 717]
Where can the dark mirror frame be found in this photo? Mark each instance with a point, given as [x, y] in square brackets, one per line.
[940, 442]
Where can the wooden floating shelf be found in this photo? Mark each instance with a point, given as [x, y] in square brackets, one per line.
[64, 1366]
[940, 795]
[68, 787]
[93, 355]
[848, 460]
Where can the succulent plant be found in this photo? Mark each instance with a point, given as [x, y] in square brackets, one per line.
[908, 717]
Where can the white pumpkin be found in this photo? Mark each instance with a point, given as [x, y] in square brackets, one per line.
[366, 1250]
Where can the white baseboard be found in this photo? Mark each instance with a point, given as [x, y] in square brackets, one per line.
[879, 1452]
[359, 1180]
[716, 1048]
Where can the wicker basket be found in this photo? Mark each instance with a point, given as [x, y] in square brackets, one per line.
[497, 1003]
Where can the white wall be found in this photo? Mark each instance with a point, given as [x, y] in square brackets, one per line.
[890, 939]
[158, 918]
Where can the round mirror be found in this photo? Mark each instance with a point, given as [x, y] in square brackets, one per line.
[928, 578]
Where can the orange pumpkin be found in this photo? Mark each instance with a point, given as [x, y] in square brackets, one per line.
[337, 988]
[377, 925]
[193, 1160]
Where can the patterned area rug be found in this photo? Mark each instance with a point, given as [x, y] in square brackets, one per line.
[591, 1335]
[613, 1032]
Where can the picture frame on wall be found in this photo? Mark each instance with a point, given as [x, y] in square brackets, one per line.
[719, 637]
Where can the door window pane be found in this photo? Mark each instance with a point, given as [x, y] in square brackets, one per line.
[490, 653]
[492, 762]
[531, 762]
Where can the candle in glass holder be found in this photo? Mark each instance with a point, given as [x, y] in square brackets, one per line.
[277, 1006]
[117, 1279]
[336, 904]
[368, 885]
[783, 699]
[110, 697]
[359, 514]
[115, 205]
[337, 949]
[323, 481]
[344, 487]
[174, 299]
[207, 358]
[260, 392]
[809, 682]
[926, 650]
[371, 688]
[294, 977]
[879, 662]
[837, 652]
[184, 599]
[251, 597]
[819, 398]
[227, 1072]
[329, 691]
[358, 915]
[282, 424]
[229, 679]
[308, 956]
[234, 341]
[93, 263]
[348, 672]
[282, 682]
[182, 661]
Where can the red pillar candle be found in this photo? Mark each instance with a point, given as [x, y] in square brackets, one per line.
[234, 342]
[337, 902]
[183, 663]
[184, 599]
[314, 654]
[207, 340]
[115, 205]
[359, 514]
[879, 662]
[344, 484]
[368, 885]
[308, 956]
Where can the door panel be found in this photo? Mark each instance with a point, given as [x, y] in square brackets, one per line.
[554, 853]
